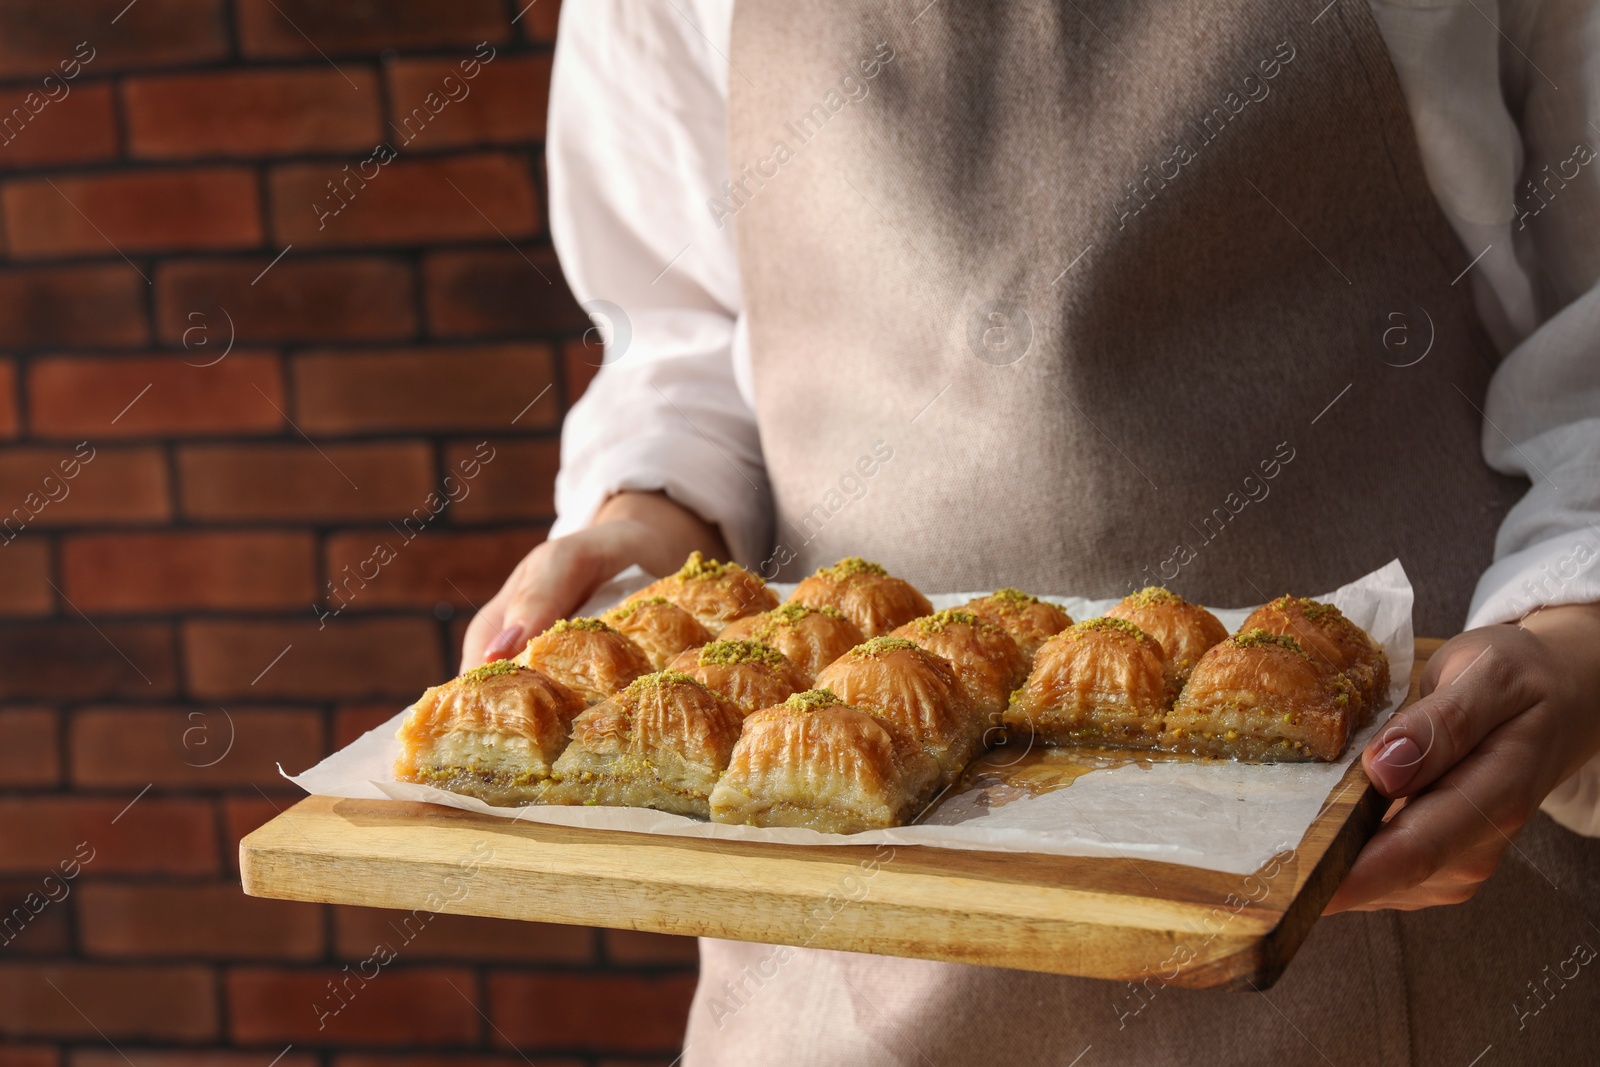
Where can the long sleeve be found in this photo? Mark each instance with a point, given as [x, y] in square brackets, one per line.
[637, 144]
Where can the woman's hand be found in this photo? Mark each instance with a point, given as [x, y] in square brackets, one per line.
[1507, 713]
[556, 578]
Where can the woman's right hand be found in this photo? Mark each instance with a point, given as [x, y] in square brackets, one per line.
[556, 578]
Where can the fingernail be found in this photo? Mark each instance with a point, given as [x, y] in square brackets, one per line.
[1396, 764]
[504, 642]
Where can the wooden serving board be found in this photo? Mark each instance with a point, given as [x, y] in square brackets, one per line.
[1092, 917]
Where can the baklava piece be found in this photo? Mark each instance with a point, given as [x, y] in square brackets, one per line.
[1334, 642]
[714, 593]
[816, 762]
[1260, 696]
[988, 663]
[586, 656]
[865, 593]
[1098, 682]
[811, 637]
[1030, 621]
[660, 743]
[913, 690]
[1184, 631]
[492, 733]
[749, 673]
[659, 627]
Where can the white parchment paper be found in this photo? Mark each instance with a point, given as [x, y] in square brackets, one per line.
[1221, 816]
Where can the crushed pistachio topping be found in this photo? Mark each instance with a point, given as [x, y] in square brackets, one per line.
[1314, 610]
[812, 700]
[793, 611]
[1258, 638]
[581, 623]
[936, 623]
[623, 612]
[1011, 598]
[491, 670]
[880, 646]
[1105, 622]
[1152, 594]
[728, 653]
[697, 567]
[647, 683]
[851, 566]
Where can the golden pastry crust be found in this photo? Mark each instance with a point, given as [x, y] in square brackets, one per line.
[915, 691]
[1098, 682]
[988, 663]
[811, 637]
[865, 593]
[749, 673]
[1260, 696]
[816, 762]
[586, 656]
[659, 627]
[1333, 641]
[1030, 621]
[714, 593]
[492, 733]
[1185, 631]
[663, 742]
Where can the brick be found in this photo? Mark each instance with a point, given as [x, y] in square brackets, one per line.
[155, 835]
[635, 948]
[452, 1059]
[138, 211]
[351, 658]
[67, 659]
[582, 1010]
[213, 921]
[425, 389]
[25, 577]
[294, 481]
[29, 1056]
[8, 398]
[191, 747]
[108, 485]
[162, 1003]
[435, 566]
[401, 1006]
[188, 569]
[358, 932]
[504, 103]
[37, 35]
[94, 1057]
[353, 720]
[538, 19]
[581, 360]
[242, 815]
[277, 28]
[517, 483]
[253, 113]
[404, 201]
[345, 298]
[35, 919]
[95, 305]
[80, 127]
[499, 291]
[30, 748]
[74, 397]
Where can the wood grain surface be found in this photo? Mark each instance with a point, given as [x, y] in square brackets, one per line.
[1092, 917]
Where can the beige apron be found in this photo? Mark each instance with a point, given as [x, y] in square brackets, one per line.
[1085, 295]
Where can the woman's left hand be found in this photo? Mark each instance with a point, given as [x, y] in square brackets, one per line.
[1507, 713]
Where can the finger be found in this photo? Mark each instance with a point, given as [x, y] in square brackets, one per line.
[482, 631]
[558, 578]
[1476, 692]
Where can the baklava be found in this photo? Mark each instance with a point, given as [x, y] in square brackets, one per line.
[811, 637]
[659, 627]
[1334, 642]
[714, 593]
[1185, 631]
[816, 762]
[1030, 621]
[1099, 682]
[865, 593]
[660, 743]
[749, 673]
[1260, 696]
[586, 656]
[988, 663]
[492, 733]
[915, 691]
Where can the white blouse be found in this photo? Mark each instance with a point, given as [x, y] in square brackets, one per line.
[637, 155]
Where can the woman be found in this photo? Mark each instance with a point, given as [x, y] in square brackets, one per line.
[1238, 299]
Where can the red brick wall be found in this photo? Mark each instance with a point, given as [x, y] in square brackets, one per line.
[175, 513]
